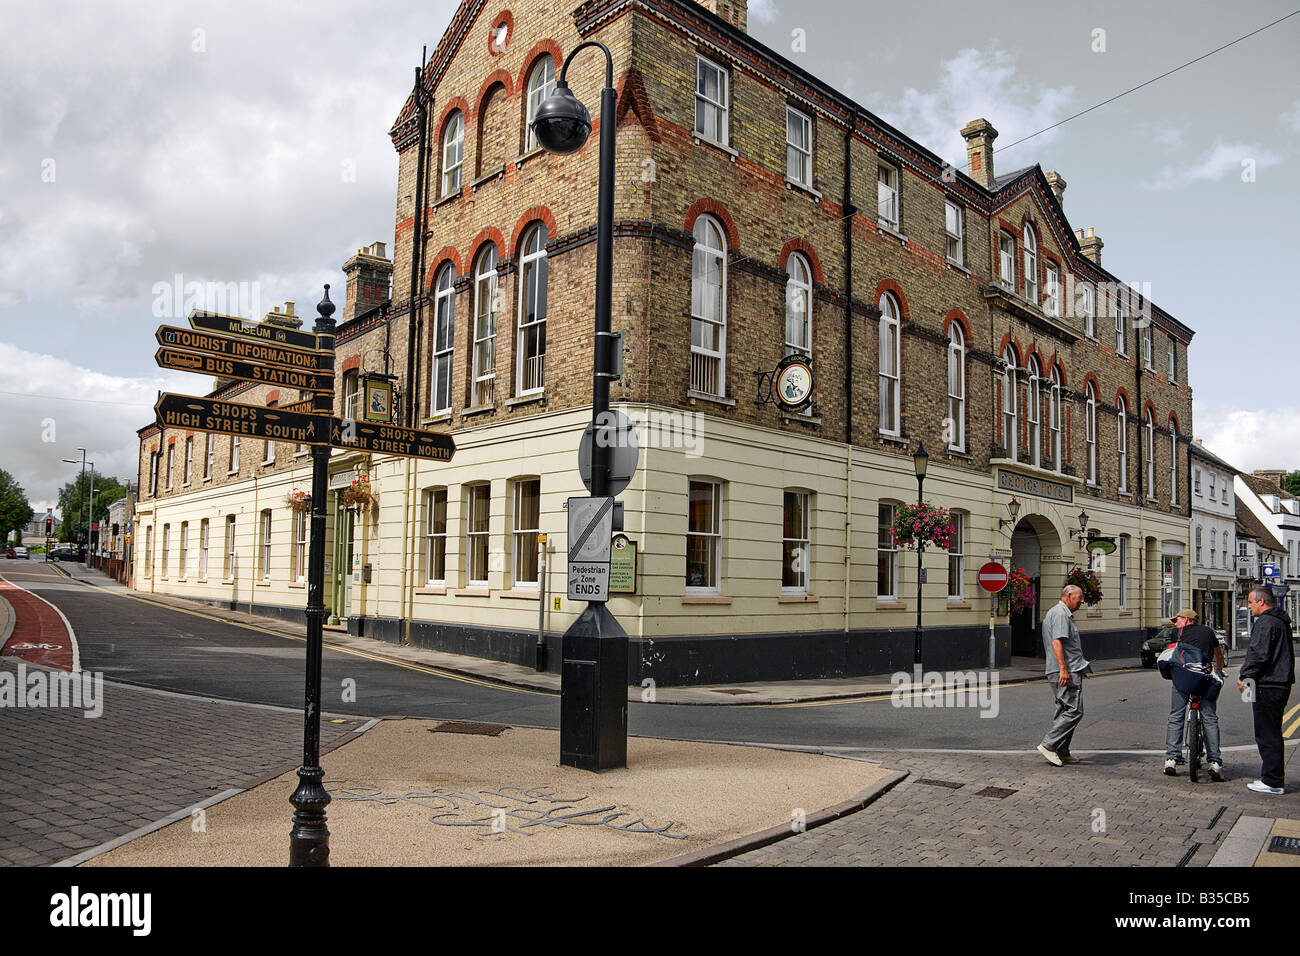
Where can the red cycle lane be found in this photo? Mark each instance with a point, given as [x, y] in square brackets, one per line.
[41, 634]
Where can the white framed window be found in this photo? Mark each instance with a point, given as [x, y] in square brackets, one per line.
[798, 307]
[265, 536]
[956, 424]
[795, 542]
[148, 552]
[1148, 347]
[957, 559]
[1225, 493]
[189, 459]
[1121, 328]
[444, 339]
[476, 534]
[1172, 593]
[886, 555]
[541, 84]
[527, 525]
[1149, 423]
[234, 453]
[1090, 431]
[453, 154]
[351, 394]
[704, 537]
[1123, 572]
[1007, 260]
[1196, 480]
[890, 363]
[1199, 558]
[1054, 423]
[1213, 545]
[1173, 361]
[228, 572]
[1212, 477]
[1031, 265]
[711, 99]
[1010, 404]
[1089, 312]
[203, 549]
[1052, 292]
[1033, 413]
[798, 147]
[532, 313]
[709, 308]
[166, 547]
[153, 474]
[298, 570]
[183, 553]
[435, 536]
[171, 458]
[268, 455]
[952, 227]
[887, 196]
[1121, 442]
[1173, 463]
[209, 454]
[485, 328]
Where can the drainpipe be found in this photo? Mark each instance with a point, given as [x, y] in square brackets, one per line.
[849, 212]
[417, 244]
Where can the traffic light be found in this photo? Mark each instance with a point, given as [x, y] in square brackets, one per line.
[49, 526]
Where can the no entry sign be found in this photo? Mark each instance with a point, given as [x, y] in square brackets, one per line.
[992, 577]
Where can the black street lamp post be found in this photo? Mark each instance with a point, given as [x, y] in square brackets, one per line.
[593, 693]
[920, 461]
[309, 840]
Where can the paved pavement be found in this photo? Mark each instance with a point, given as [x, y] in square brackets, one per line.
[1110, 809]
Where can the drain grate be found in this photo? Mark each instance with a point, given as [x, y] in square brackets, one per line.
[948, 784]
[1284, 844]
[997, 793]
[468, 727]
[735, 690]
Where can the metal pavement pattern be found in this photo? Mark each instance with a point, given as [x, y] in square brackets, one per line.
[1054, 818]
[68, 783]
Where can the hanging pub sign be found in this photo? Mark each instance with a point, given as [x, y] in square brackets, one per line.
[789, 385]
[378, 396]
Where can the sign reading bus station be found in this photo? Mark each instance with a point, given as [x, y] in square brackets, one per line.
[248, 350]
[205, 364]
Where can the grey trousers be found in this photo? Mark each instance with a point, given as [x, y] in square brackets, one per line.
[1069, 711]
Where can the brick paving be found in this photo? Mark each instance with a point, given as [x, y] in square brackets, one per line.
[1110, 810]
[69, 783]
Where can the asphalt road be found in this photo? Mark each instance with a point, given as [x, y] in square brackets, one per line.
[133, 640]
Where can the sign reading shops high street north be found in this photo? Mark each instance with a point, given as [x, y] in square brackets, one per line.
[234, 418]
[248, 350]
[391, 439]
[204, 364]
[1035, 486]
[261, 331]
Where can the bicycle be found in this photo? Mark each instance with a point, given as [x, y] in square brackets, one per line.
[1194, 737]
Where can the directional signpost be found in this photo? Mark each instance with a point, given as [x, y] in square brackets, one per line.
[277, 375]
[247, 349]
[271, 334]
[391, 440]
[234, 418]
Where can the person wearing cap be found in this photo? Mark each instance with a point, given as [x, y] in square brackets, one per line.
[1207, 642]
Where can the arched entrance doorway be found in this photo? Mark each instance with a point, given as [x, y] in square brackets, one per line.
[1036, 547]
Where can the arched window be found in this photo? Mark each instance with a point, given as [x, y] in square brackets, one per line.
[1010, 404]
[1121, 442]
[798, 307]
[709, 308]
[444, 335]
[1090, 433]
[485, 327]
[1173, 462]
[956, 424]
[1149, 423]
[1033, 404]
[1054, 414]
[453, 154]
[1031, 265]
[541, 84]
[889, 364]
[532, 312]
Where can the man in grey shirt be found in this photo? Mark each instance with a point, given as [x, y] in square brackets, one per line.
[1066, 665]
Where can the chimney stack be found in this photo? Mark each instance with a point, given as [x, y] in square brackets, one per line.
[979, 135]
[735, 12]
[1058, 184]
[1090, 245]
[369, 274]
[1277, 476]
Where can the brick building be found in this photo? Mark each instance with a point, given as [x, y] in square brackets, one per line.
[759, 212]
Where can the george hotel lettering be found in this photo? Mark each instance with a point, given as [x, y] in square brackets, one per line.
[1038, 487]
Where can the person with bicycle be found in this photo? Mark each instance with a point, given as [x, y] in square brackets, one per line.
[1207, 642]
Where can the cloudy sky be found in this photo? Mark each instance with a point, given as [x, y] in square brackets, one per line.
[146, 145]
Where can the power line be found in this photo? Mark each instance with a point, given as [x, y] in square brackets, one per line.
[65, 398]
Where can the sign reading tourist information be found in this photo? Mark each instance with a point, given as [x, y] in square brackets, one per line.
[233, 418]
[391, 439]
[591, 524]
[247, 350]
[992, 577]
[204, 364]
[272, 334]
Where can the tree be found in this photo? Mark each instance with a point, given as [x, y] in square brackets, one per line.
[1293, 483]
[15, 512]
[72, 505]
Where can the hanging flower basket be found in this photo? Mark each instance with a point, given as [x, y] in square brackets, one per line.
[358, 494]
[922, 524]
[299, 501]
[1088, 582]
[1020, 591]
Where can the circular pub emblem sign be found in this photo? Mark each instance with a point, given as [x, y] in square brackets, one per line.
[794, 383]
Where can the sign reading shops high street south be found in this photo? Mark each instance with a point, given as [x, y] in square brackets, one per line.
[234, 418]
[248, 350]
[261, 331]
[204, 364]
[1035, 486]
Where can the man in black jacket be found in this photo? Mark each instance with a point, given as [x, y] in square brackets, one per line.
[1270, 668]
